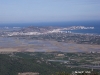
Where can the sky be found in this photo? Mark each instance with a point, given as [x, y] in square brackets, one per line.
[31, 11]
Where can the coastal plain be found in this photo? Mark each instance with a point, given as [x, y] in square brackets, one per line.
[17, 45]
[48, 39]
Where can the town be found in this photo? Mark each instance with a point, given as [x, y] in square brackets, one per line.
[60, 34]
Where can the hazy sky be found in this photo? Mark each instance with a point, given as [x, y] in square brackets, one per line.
[28, 11]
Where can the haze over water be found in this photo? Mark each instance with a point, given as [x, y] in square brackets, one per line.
[34, 11]
[95, 24]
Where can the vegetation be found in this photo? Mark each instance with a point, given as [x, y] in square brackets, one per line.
[65, 37]
[14, 63]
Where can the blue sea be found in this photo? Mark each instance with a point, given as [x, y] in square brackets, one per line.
[95, 24]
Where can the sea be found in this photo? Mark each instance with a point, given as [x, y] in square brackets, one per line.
[95, 24]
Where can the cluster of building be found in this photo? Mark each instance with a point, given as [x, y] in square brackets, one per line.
[38, 31]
